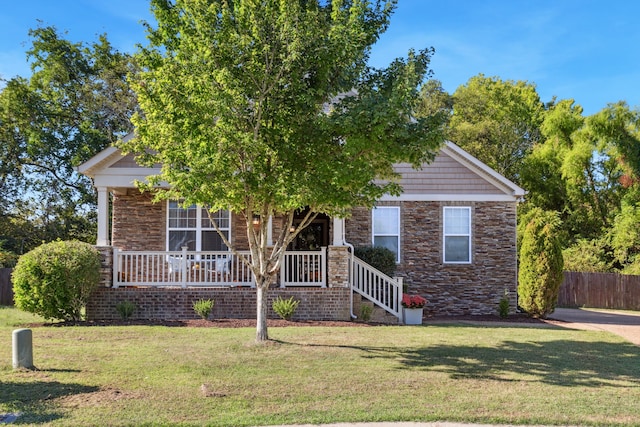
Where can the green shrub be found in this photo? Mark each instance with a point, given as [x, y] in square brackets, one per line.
[125, 309]
[633, 268]
[586, 256]
[624, 235]
[203, 308]
[381, 258]
[7, 259]
[285, 308]
[365, 312]
[56, 279]
[503, 306]
[541, 264]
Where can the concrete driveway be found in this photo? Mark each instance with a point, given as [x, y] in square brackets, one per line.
[623, 323]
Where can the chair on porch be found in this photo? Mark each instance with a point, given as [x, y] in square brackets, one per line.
[175, 267]
[220, 269]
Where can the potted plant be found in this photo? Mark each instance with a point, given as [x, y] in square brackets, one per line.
[412, 306]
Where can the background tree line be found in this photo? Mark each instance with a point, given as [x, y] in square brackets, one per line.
[583, 169]
[78, 101]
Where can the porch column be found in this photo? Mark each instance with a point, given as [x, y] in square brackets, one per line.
[338, 231]
[338, 267]
[270, 231]
[103, 217]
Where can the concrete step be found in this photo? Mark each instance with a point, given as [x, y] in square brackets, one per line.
[377, 314]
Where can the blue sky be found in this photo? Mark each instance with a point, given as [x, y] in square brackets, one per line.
[585, 50]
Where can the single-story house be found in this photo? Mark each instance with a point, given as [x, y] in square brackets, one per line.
[453, 231]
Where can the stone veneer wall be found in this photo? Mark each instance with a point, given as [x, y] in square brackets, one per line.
[106, 266]
[338, 267]
[235, 303]
[138, 224]
[239, 232]
[452, 289]
[141, 225]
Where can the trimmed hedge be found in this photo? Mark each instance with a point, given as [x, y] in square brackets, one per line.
[541, 265]
[56, 279]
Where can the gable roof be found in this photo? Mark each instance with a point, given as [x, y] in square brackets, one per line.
[454, 175]
[112, 169]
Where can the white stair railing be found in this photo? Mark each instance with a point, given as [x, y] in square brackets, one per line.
[377, 287]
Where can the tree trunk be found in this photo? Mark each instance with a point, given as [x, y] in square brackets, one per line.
[261, 313]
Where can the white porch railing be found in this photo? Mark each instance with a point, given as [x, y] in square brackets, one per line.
[377, 287]
[221, 268]
[179, 268]
[304, 268]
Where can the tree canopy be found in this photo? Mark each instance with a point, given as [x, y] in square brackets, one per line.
[583, 168]
[76, 103]
[268, 107]
[497, 121]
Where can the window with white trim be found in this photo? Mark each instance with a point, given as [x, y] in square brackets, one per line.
[386, 228]
[192, 227]
[457, 235]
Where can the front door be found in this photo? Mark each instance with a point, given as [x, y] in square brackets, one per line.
[307, 269]
[312, 238]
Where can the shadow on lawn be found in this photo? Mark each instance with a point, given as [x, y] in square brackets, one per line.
[33, 400]
[556, 362]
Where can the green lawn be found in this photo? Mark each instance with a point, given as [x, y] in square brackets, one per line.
[140, 375]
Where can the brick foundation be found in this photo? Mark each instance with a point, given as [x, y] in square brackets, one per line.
[235, 303]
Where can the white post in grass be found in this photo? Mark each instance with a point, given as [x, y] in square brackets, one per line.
[22, 349]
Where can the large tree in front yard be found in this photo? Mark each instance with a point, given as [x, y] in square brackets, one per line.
[266, 107]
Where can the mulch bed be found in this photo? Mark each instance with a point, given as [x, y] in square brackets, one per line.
[244, 323]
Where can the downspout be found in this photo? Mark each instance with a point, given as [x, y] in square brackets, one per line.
[351, 248]
[517, 309]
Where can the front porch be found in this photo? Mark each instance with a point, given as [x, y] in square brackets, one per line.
[164, 284]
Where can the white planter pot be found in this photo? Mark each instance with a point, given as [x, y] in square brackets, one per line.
[412, 316]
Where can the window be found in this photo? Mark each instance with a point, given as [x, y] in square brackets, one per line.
[386, 228]
[457, 235]
[191, 227]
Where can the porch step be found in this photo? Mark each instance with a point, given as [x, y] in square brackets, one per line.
[378, 315]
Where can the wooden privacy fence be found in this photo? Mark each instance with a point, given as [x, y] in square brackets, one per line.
[600, 290]
[6, 289]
